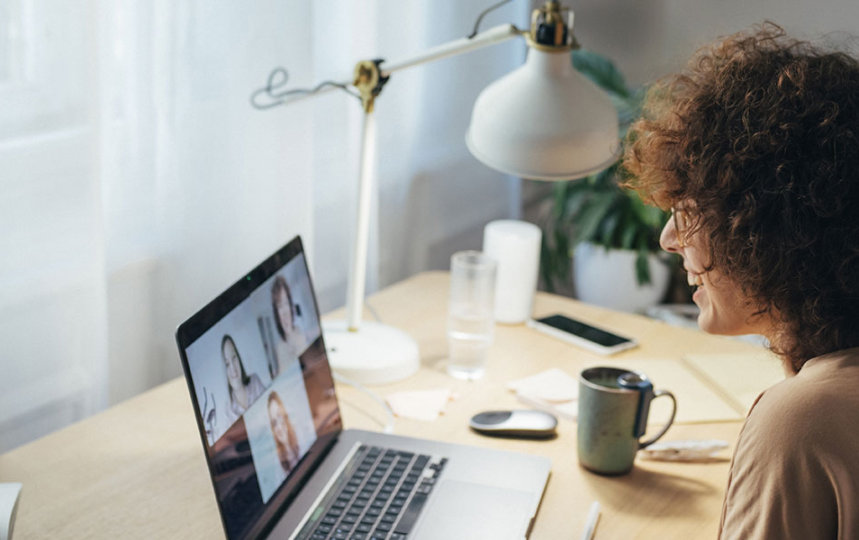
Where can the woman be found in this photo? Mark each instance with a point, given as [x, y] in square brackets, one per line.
[755, 148]
[283, 433]
[244, 389]
[284, 317]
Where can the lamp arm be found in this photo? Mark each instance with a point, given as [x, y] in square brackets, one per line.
[277, 95]
[496, 34]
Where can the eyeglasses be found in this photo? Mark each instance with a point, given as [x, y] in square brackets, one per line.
[682, 224]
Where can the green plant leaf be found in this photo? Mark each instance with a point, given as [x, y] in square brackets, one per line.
[642, 270]
[601, 71]
[608, 227]
[629, 230]
[590, 217]
[546, 264]
[559, 195]
[573, 207]
[643, 249]
[562, 241]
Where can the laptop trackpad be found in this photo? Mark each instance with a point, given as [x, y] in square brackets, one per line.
[463, 510]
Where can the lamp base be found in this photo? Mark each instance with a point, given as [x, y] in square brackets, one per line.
[375, 354]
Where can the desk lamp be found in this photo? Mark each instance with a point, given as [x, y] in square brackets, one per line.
[542, 121]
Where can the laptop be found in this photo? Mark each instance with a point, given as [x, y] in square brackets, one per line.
[281, 463]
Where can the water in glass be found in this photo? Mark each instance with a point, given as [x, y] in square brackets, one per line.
[469, 337]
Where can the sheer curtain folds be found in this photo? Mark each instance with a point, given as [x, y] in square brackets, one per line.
[138, 182]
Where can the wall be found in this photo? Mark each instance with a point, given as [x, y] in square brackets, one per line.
[649, 38]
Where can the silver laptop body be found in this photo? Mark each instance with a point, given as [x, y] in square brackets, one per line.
[275, 458]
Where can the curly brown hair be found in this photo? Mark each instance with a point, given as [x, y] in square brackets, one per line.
[761, 134]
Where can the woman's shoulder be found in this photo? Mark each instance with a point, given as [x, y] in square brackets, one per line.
[820, 377]
[794, 469]
[819, 401]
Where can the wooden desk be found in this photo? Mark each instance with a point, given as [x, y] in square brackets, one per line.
[137, 470]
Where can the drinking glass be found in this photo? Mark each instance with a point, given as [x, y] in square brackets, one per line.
[470, 322]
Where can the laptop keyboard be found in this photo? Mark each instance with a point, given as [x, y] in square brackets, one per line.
[378, 496]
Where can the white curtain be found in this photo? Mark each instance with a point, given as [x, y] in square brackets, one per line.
[138, 182]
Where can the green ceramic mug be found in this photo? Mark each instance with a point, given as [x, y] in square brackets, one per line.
[613, 408]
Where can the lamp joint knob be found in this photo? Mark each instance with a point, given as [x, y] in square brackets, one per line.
[368, 80]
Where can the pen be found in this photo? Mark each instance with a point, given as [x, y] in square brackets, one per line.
[593, 518]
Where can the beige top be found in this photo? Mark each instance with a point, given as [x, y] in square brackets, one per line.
[795, 472]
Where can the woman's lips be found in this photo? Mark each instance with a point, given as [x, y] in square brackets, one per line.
[694, 279]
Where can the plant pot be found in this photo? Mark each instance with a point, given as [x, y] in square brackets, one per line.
[606, 277]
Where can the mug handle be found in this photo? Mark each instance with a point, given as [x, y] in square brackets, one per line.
[657, 394]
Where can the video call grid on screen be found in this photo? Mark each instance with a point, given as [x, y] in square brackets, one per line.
[252, 327]
[272, 366]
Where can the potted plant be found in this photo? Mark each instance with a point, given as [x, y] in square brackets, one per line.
[607, 231]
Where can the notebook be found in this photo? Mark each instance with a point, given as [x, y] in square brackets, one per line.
[281, 463]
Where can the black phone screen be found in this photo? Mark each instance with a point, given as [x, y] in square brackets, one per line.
[582, 330]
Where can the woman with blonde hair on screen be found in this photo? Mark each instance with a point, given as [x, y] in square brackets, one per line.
[755, 149]
[283, 432]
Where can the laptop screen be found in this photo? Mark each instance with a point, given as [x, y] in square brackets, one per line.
[262, 390]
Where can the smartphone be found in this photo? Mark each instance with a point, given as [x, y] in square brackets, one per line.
[581, 334]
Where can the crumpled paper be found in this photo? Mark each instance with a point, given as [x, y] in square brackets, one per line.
[553, 390]
[424, 405]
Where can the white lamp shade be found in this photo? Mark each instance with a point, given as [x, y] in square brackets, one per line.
[544, 121]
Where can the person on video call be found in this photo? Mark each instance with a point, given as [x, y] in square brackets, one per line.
[283, 433]
[755, 149]
[244, 389]
[284, 317]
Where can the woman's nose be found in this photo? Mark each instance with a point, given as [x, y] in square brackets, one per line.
[668, 238]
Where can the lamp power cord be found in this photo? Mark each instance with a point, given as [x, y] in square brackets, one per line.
[388, 426]
[276, 93]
